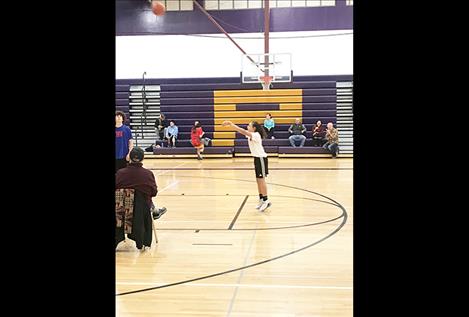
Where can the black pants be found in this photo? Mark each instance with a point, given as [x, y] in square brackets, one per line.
[120, 163]
[270, 133]
[172, 140]
[318, 141]
[149, 149]
[161, 134]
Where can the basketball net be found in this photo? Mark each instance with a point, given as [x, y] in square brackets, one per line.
[266, 81]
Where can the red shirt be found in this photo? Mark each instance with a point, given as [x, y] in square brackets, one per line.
[139, 178]
[196, 135]
[320, 130]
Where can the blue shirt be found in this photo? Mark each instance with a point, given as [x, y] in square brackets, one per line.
[172, 130]
[269, 123]
[123, 135]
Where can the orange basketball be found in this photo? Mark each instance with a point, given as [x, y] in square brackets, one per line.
[158, 8]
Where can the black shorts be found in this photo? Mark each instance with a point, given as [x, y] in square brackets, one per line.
[261, 166]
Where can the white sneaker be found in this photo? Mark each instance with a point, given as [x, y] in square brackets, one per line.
[261, 202]
[265, 205]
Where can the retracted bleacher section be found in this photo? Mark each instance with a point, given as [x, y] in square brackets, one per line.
[122, 98]
[211, 101]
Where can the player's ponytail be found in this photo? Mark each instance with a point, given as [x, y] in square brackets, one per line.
[259, 128]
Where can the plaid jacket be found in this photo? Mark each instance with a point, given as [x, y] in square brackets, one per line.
[125, 208]
[332, 136]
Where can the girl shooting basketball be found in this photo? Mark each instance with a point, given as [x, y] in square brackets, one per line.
[255, 133]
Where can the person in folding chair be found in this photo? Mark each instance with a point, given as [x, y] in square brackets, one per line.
[142, 181]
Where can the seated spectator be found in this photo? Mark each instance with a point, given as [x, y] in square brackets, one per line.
[332, 136]
[137, 177]
[172, 134]
[161, 124]
[319, 134]
[297, 131]
[269, 126]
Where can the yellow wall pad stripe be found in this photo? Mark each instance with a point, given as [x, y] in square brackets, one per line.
[166, 156]
[272, 92]
[224, 135]
[258, 113]
[281, 99]
[224, 107]
[291, 106]
[222, 142]
[220, 128]
[289, 120]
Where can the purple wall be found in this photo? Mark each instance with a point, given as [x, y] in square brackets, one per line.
[134, 17]
[121, 83]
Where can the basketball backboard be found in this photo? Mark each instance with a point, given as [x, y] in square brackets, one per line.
[254, 67]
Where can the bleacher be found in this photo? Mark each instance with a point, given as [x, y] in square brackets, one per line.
[122, 98]
[211, 101]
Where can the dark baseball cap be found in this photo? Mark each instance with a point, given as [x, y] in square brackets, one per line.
[137, 154]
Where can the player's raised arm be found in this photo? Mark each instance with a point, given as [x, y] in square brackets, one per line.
[234, 126]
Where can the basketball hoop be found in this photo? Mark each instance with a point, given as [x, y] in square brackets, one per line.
[266, 69]
[266, 81]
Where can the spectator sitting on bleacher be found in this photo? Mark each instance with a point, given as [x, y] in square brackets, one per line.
[172, 134]
[332, 136]
[297, 131]
[161, 124]
[319, 134]
[269, 125]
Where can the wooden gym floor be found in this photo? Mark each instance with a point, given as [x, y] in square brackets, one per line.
[218, 256]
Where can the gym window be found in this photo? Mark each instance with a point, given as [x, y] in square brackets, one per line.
[256, 4]
[178, 5]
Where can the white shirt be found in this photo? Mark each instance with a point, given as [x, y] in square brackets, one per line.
[255, 145]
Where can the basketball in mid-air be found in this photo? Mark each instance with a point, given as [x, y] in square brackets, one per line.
[158, 8]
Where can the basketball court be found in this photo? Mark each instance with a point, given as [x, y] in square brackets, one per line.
[218, 256]
[215, 253]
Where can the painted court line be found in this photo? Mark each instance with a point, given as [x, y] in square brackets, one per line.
[238, 212]
[168, 186]
[244, 221]
[246, 285]
[212, 244]
[167, 170]
[230, 308]
[250, 168]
